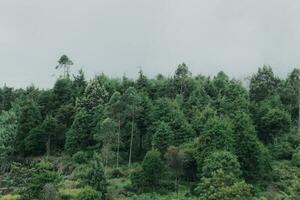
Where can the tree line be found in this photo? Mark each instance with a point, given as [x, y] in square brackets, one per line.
[215, 135]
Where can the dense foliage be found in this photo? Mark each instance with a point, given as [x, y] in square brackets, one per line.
[178, 137]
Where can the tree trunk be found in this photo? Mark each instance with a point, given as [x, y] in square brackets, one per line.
[131, 139]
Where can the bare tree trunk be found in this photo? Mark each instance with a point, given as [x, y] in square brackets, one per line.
[118, 149]
[131, 139]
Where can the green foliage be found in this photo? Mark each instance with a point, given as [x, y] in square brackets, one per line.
[8, 133]
[223, 186]
[263, 84]
[273, 123]
[80, 157]
[79, 135]
[221, 160]
[89, 194]
[10, 197]
[296, 158]
[217, 135]
[162, 137]
[252, 155]
[29, 117]
[93, 175]
[152, 168]
[222, 133]
[138, 179]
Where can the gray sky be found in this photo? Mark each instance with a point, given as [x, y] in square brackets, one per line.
[117, 36]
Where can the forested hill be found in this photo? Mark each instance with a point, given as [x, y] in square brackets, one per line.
[180, 137]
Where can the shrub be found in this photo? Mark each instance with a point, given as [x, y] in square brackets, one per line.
[89, 194]
[296, 158]
[117, 173]
[137, 178]
[221, 160]
[11, 197]
[80, 157]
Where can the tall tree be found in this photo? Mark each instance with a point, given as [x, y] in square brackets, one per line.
[65, 63]
[115, 111]
[106, 133]
[132, 99]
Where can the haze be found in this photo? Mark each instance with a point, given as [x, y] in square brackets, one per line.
[118, 37]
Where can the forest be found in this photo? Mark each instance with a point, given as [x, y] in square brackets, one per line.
[175, 137]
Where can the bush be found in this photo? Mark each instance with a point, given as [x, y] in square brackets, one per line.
[221, 160]
[296, 158]
[89, 194]
[137, 178]
[80, 157]
[117, 173]
[10, 197]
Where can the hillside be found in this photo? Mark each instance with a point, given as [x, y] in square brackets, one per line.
[180, 137]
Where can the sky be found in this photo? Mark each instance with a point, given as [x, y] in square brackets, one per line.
[119, 37]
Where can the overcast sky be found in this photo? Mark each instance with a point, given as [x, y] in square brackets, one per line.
[118, 36]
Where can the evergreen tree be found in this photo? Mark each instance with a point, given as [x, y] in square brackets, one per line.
[8, 133]
[29, 118]
[152, 168]
[80, 136]
[263, 84]
[162, 137]
[217, 135]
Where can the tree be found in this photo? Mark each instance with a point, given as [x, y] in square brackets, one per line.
[94, 176]
[62, 92]
[252, 155]
[65, 63]
[169, 111]
[263, 84]
[96, 93]
[223, 186]
[200, 118]
[217, 135]
[271, 121]
[152, 168]
[79, 84]
[54, 133]
[175, 159]
[181, 77]
[8, 133]
[289, 94]
[115, 110]
[132, 100]
[7, 97]
[29, 117]
[221, 160]
[80, 136]
[106, 133]
[162, 137]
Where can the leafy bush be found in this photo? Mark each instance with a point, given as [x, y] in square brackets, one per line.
[221, 160]
[89, 194]
[80, 157]
[296, 158]
[117, 173]
[137, 178]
